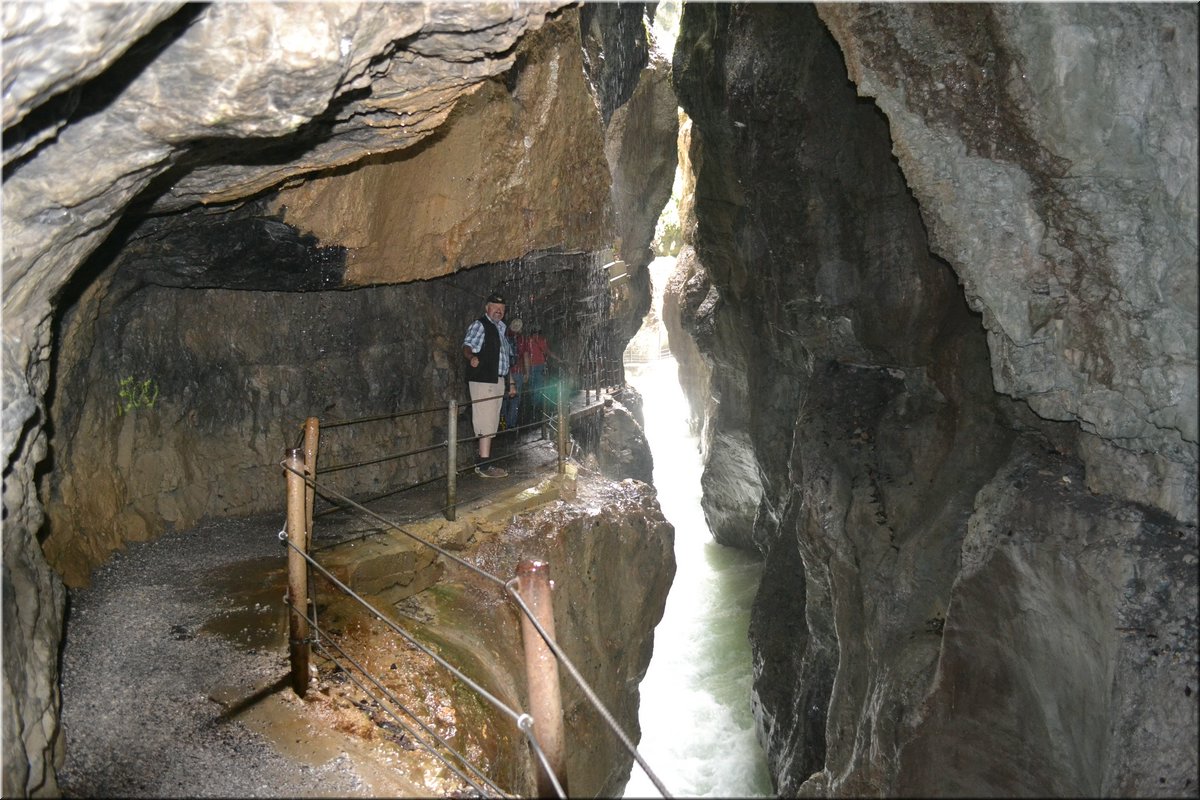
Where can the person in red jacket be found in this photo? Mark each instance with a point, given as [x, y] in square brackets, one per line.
[534, 354]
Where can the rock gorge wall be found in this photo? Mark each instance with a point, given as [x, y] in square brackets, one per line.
[178, 404]
[610, 533]
[219, 219]
[948, 307]
[614, 536]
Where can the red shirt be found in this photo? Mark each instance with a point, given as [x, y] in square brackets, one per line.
[536, 347]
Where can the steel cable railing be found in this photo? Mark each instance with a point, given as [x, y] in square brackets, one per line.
[341, 423]
[478, 689]
[440, 477]
[419, 450]
[523, 720]
[382, 459]
[433, 479]
[437, 445]
[390, 525]
[452, 408]
[321, 644]
[607, 716]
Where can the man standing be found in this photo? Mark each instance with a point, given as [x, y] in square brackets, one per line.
[486, 349]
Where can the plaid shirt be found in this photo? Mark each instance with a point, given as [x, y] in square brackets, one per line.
[474, 340]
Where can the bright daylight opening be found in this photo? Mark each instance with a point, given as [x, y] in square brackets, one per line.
[696, 720]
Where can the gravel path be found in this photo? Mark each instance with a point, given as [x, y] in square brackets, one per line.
[139, 671]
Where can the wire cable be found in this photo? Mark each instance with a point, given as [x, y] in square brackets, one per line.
[321, 644]
[484, 693]
[523, 720]
[592, 697]
[391, 524]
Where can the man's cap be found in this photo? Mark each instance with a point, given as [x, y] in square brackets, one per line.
[496, 297]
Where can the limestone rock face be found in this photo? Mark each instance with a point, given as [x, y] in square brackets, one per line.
[1083, 121]
[610, 555]
[640, 150]
[623, 451]
[951, 338]
[686, 305]
[466, 199]
[322, 87]
[1074, 609]
[641, 116]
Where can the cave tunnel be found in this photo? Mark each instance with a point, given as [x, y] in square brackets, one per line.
[934, 306]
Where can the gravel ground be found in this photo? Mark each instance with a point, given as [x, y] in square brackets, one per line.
[139, 672]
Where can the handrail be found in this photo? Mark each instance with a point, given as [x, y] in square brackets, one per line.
[592, 697]
[321, 644]
[542, 423]
[381, 459]
[399, 414]
[381, 417]
[523, 720]
[439, 477]
[500, 705]
[399, 528]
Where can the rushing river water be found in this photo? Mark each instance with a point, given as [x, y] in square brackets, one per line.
[697, 727]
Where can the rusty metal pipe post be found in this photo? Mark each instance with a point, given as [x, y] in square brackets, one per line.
[312, 434]
[452, 460]
[297, 595]
[541, 672]
[563, 415]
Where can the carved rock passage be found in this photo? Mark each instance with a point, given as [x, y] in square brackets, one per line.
[327, 86]
[958, 422]
[144, 147]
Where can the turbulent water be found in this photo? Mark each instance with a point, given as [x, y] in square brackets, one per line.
[697, 727]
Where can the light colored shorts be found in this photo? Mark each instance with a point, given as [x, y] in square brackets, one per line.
[485, 406]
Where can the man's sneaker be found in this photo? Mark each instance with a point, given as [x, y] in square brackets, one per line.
[491, 472]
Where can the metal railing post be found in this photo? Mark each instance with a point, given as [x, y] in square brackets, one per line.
[452, 460]
[563, 416]
[297, 595]
[312, 433]
[541, 672]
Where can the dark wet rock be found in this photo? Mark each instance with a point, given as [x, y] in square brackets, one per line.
[623, 451]
[611, 555]
[924, 385]
[946, 299]
[1052, 150]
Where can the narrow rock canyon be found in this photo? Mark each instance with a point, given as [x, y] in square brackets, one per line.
[935, 312]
